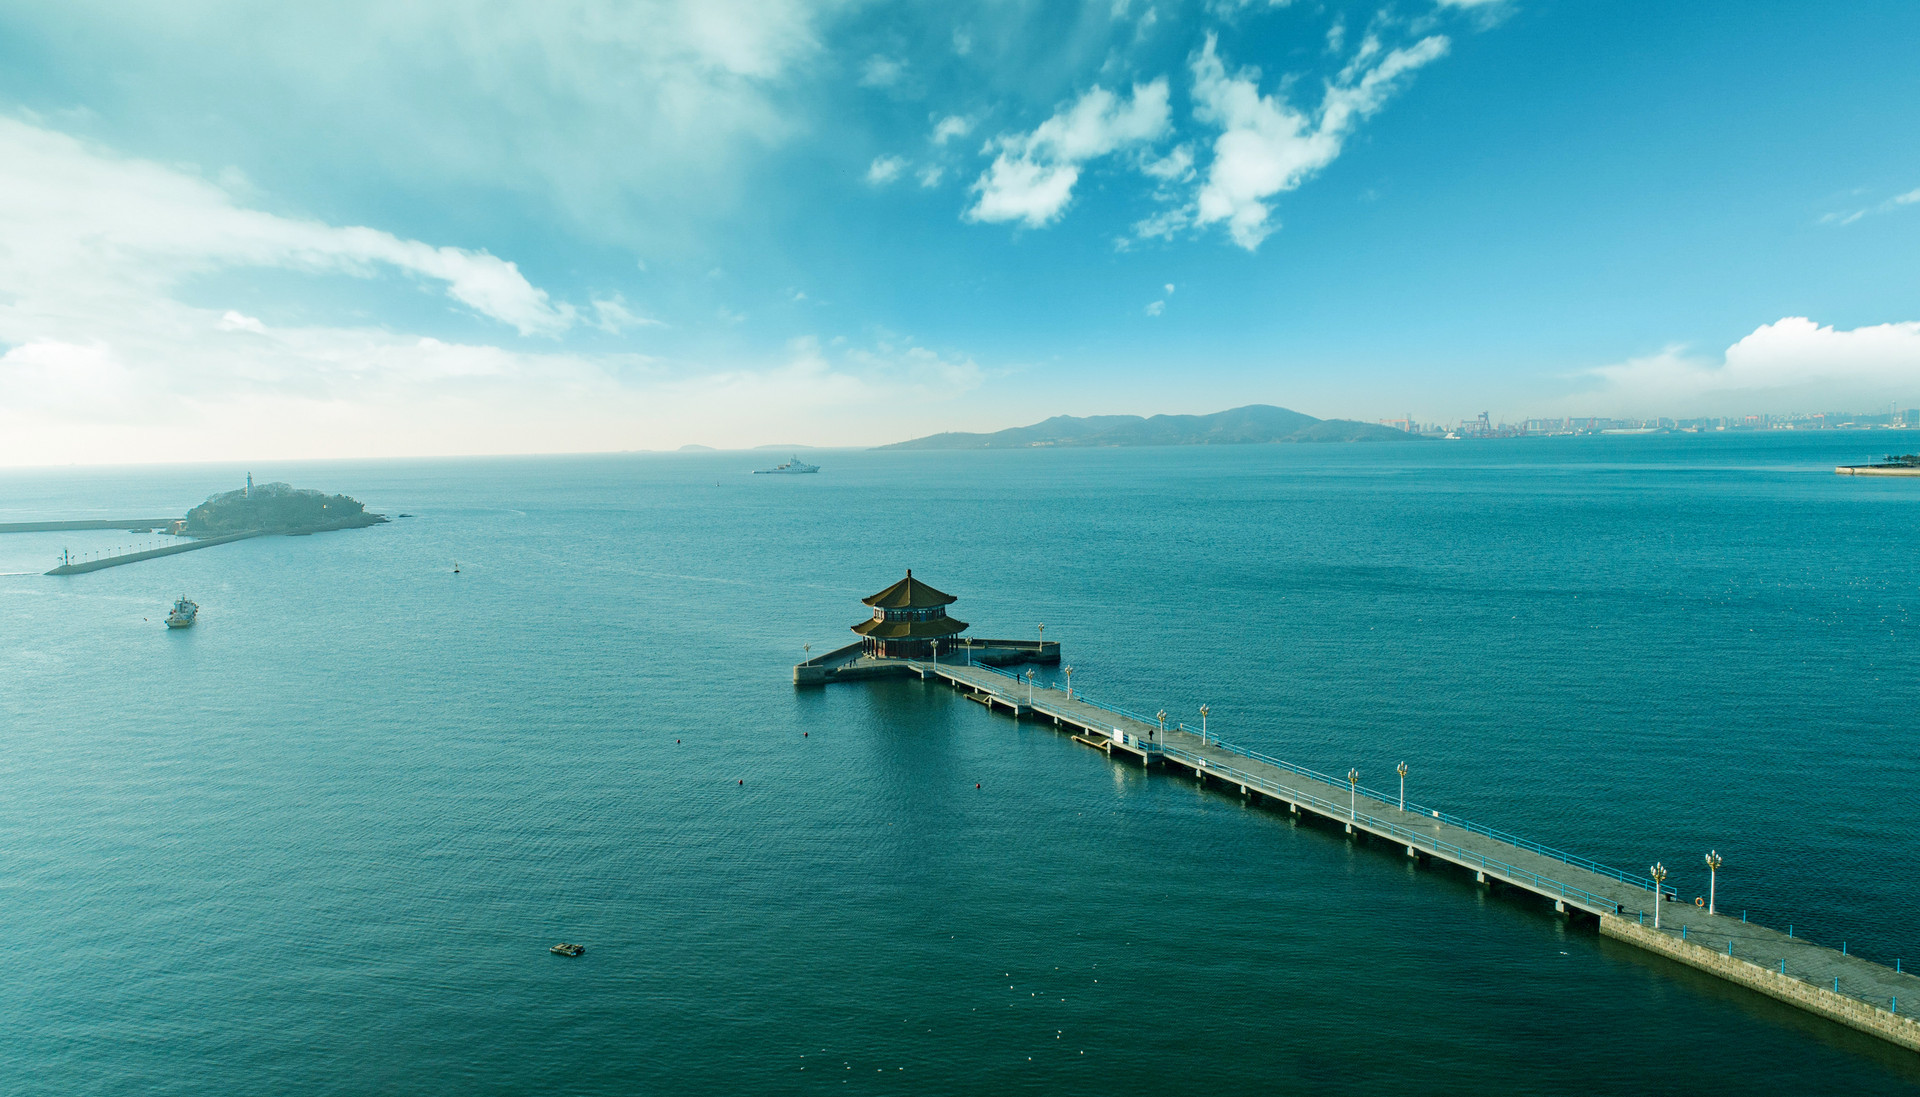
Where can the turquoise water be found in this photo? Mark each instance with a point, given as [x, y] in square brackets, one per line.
[321, 842]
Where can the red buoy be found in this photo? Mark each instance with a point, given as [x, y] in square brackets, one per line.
[741, 782]
[976, 784]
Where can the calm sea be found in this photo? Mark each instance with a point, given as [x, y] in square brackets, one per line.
[320, 843]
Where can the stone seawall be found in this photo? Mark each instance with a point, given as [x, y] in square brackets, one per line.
[1852, 1012]
[150, 554]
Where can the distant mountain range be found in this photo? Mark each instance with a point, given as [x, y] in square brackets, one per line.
[1252, 424]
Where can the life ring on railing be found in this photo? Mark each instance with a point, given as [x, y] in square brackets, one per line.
[1700, 900]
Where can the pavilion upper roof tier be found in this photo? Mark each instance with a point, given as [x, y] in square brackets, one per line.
[909, 593]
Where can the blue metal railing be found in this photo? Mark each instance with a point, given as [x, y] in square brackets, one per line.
[1643, 882]
[1413, 838]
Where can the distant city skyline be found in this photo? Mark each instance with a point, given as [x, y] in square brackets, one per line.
[1486, 424]
[233, 231]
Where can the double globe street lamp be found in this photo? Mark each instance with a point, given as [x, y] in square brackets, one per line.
[1713, 877]
[1659, 874]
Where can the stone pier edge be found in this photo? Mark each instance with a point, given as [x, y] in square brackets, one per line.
[1851, 1012]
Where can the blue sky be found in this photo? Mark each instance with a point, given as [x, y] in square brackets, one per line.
[372, 228]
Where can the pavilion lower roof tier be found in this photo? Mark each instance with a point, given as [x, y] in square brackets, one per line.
[910, 630]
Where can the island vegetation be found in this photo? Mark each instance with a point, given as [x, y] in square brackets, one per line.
[276, 508]
[1250, 425]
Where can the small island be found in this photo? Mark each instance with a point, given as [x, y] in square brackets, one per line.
[257, 510]
[275, 508]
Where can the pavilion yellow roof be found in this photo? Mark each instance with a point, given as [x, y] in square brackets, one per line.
[909, 593]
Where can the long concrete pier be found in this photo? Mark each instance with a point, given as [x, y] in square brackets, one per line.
[1829, 982]
[150, 554]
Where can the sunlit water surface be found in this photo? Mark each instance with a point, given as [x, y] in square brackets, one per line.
[320, 842]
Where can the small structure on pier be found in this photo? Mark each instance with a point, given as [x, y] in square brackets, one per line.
[909, 621]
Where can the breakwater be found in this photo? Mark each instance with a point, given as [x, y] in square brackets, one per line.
[1630, 907]
[1877, 470]
[151, 554]
[130, 524]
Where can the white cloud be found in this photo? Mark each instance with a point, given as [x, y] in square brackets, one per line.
[612, 316]
[105, 362]
[1788, 360]
[1269, 147]
[1227, 9]
[1468, 3]
[83, 223]
[1174, 167]
[1169, 288]
[1031, 178]
[1155, 308]
[1849, 217]
[931, 175]
[882, 72]
[608, 110]
[950, 127]
[885, 169]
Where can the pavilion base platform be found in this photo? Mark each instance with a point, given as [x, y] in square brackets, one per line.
[853, 663]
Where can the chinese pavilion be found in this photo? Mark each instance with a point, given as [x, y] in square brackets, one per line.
[909, 621]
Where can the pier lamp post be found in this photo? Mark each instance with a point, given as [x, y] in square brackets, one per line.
[1713, 877]
[1029, 685]
[1203, 725]
[1162, 717]
[1659, 874]
[1401, 769]
[1043, 637]
[1069, 683]
[968, 644]
[1353, 796]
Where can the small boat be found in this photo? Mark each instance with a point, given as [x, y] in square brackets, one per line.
[183, 613]
[794, 464]
[565, 949]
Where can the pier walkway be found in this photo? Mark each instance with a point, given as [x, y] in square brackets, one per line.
[81, 567]
[1846, 988]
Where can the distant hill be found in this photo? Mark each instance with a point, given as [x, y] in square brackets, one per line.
[1255, 423]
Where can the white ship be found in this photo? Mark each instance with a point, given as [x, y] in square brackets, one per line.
[183, 613]
[794, 464]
